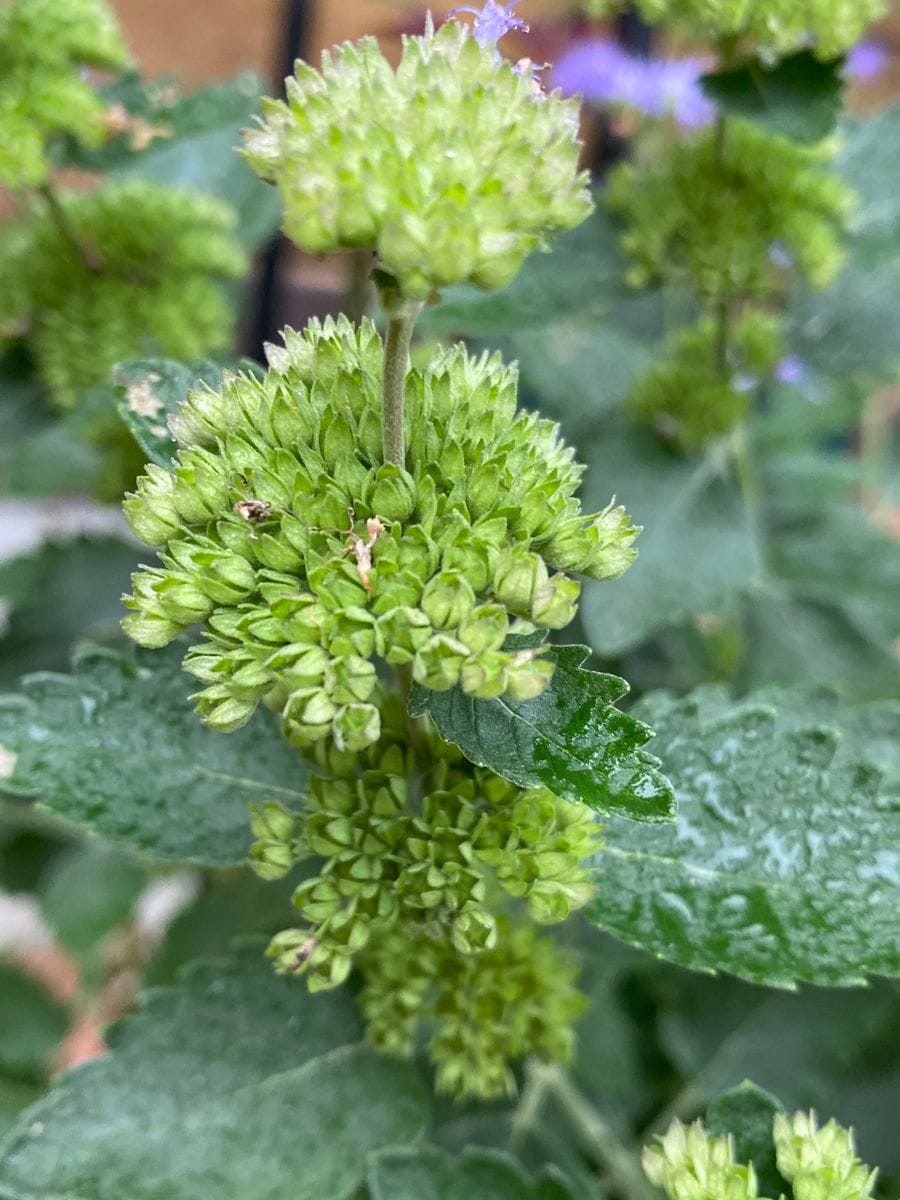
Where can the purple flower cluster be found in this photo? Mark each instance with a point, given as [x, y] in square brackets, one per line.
[867, 60]
[603, 73]
[492, 21]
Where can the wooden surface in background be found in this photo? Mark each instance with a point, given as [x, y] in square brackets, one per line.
[204, 40]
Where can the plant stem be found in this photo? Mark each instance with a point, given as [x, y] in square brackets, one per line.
[359, 286]
[401, 322]
[621, 1165]
[88, 253]
[723, 303]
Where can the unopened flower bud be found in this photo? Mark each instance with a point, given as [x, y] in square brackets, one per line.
[201, 486]
[151, 511]
[438, 665]
[350, 679]
[484, 628]
[519, 574]
[357, 726]
[528, 677]
[485, 675]
[392, 493]
[556, 602]
[447, 598]
[401, 632]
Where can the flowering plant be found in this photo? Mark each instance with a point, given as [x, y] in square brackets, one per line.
[514, 931]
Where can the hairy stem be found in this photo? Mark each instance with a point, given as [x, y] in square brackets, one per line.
[359, 285]
[402, 320]
[620, 1165]
[88, 253]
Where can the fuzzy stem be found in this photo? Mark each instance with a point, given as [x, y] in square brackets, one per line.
[88, 253]
[620, 1164]
[401, 323]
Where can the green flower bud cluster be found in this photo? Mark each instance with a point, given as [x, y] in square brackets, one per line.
[453, 168]
[689, 1164]
[690, 395]
[143, 267]
[306, 555]
[516, 998]
[720, 212]
[821, 1164]
[438, 863]
[44, 44]
[775, 26]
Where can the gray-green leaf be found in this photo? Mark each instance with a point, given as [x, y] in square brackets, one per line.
[115, 747]
[572, 739]
[783, 863]
[233, 1083]
[426, 1173]
[798, 97]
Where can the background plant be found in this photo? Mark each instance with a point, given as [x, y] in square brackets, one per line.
[441, 841]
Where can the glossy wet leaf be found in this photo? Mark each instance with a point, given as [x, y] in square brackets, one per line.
[798, 97]
[782, 865]
[116, 747]
[425, 1173]
[235, 1082]
[697, 550]
[572, 739]
[747, 1112]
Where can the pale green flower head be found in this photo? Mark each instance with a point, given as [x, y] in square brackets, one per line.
[821, 1164]
[689, 1164]
[774, 27]
[44, 44]
[452, 168]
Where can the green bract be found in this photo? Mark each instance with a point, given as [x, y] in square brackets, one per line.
[455, 167]
[306, 555]
[143, 267]
[44, 44]
[720, 212]
[775, 26]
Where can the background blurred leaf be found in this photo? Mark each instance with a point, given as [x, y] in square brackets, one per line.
[62, 592]
[798, 97]
[748, 1113]
[426, 1173]
[117, 748]
[249, 1087]
[196, 148]
[32, 1024]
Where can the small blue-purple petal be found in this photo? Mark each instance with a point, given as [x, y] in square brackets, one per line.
[492, 21]
[603, 73]
[791, 369]
[866, 60]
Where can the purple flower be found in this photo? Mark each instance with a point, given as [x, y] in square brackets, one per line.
[492, 21]
[791, 369]
[866, 60]
[604, 73]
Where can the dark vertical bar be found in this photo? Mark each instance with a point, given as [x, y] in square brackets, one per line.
[635, 36]
[293, 44]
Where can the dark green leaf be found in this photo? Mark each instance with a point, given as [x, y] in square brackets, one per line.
[577, 332]
[798, 97]
[234, 1083]
[61, 593]
[697, 551]
[426, 1173]
[116, 748]
[572, 739]
[89, 892]
[150, 390]
[748, 1114]
[32, 1025]
[780, 867]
